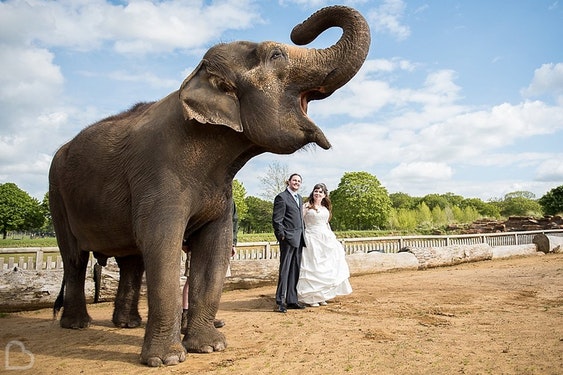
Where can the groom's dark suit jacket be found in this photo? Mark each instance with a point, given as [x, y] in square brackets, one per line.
[287, 219]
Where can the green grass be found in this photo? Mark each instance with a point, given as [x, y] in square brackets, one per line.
[25, 241]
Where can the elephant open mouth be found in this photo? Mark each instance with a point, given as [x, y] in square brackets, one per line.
[307, 96]
[312, 130]
[304, 102]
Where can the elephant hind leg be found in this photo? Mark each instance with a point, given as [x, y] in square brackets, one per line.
[126, 307]
[74, 314]
[71, 298]
[60, 300]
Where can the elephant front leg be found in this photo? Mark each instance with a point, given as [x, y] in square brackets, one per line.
[126, 311]
[203, 338]
[209, 261]
[162, 345]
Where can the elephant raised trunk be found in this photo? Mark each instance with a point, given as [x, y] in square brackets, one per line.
[339, 63]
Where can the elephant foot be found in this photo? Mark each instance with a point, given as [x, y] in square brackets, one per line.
[75, 321]
[204, 342]
[161, 355]
[132, 320]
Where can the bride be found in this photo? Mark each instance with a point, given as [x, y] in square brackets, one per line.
[324, 272]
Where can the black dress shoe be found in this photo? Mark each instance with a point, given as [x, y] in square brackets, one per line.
[295, 306]
[280, 309]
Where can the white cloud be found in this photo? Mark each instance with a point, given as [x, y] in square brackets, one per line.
[372, 93]
[136, 27]
[419, 134]
[146, 78]
[551, 170]
[547, 80]
[428, 122]
[421, 171]
[386, 18]
[29, 82]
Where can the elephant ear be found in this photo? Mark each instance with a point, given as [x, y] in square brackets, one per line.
[209, 99]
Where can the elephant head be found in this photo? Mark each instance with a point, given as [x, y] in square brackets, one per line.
[263, 89]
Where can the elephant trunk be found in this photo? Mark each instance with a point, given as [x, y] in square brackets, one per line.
[337, 64]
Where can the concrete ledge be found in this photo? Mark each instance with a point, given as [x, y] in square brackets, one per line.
[362, 263]
[511, 251]
[429, 257]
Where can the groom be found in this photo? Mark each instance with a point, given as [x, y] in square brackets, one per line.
[287, 220]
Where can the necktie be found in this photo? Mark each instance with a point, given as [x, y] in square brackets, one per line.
[296, 198]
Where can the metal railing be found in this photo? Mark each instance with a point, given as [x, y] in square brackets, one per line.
[48, 258]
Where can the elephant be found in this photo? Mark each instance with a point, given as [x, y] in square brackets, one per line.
[136, 184]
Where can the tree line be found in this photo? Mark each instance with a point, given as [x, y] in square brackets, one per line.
[359, 203]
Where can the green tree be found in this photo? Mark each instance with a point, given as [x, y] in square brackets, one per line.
[424, 216]
[552, 201]
[520, 194]
[402, 219]
[259, 217]
[402, 200]
[439, 216]
[467, 214]
[520, 203]
[486, 209]
[360, 202]
[18, 211]
[453, 199]
[48, 224]
[239, 193]
[435, 200]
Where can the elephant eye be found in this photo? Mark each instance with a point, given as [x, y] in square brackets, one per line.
[276, 54]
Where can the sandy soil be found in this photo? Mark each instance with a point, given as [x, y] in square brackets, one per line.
[491, 317]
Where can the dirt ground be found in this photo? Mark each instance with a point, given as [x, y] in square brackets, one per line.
[491, 317]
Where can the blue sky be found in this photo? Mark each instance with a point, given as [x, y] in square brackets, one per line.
[455, 96]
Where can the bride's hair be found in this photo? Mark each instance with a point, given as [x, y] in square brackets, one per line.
[324, 202]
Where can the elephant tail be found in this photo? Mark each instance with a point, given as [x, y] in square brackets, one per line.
[59, 301]
[97, 281]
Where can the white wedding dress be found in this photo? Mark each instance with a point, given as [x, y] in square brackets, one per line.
[324, 272]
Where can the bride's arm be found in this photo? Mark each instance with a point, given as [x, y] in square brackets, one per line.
[305, 208]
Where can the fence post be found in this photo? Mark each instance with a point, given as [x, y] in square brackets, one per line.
[39, 260]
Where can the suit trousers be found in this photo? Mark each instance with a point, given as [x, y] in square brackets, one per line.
[290, 261]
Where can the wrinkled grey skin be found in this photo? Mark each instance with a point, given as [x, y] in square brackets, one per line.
[134, 185]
